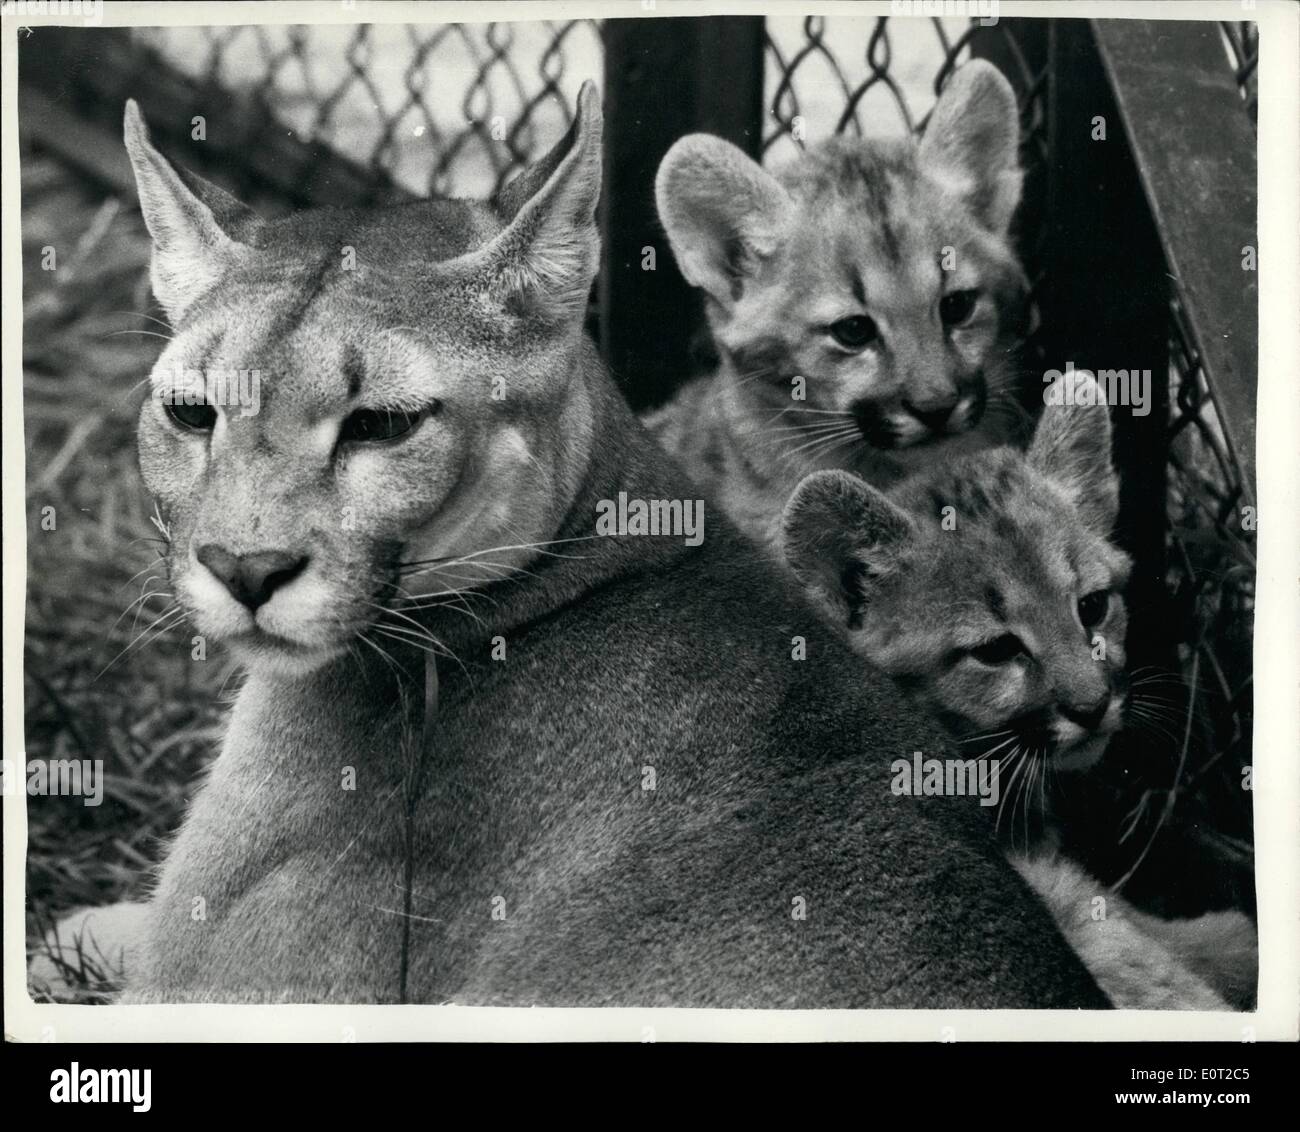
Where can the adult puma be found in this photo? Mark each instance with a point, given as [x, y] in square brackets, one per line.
[624, 789]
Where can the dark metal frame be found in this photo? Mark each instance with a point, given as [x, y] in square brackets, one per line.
[673, 66]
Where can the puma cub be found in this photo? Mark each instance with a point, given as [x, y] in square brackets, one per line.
[614, 785]
[866, 302]
[990, 591]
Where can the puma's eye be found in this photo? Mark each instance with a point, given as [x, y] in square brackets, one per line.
[957, 306]
[1093, 607]
[371, 425]
[855, 332]
[193, 418]
[999, 650]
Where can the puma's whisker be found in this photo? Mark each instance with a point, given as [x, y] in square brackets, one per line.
[148, 317]
[384, 655]
[162, 624]
[138, 604]
[145, 333]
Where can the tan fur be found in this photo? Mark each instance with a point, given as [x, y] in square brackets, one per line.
[447, 626]
[890, 231]
[522, 464]
[1142, 962]
[998, 546]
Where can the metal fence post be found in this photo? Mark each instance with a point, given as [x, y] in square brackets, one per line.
[1020, 50]
[1108, 306]
[1091, 246]
[663, 78]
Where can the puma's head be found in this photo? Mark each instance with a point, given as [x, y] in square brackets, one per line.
[879, 272]
[989, 590]
[353, 402]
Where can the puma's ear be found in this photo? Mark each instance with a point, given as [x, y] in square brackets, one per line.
[971, 143]
[548, 255]
[1071, 446]
[722, 211]
[841, 536]
[193, 223]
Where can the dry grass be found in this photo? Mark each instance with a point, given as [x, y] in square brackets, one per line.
[98, 683]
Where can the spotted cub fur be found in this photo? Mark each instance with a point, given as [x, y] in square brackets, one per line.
[990, 591]
[866, 302]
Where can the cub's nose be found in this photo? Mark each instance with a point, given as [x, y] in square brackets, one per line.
[934, 415]
[251, 578]
[1088, 717]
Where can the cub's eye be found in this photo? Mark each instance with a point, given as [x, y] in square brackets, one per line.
[956, 307]
[372, 425]
[1093, 607]
[192, 418]
[855, 332]
[999, 650]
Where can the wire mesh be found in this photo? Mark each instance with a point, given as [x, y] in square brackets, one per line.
[1212, 527]
[1242, 41]
[881, 78]
[816, 87]
[450, 109]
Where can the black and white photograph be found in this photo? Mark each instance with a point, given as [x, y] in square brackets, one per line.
[625, 506]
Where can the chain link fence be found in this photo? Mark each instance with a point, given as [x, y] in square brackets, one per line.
[1242, 42]
[819, 80]
[451, 110]
[1212, 546]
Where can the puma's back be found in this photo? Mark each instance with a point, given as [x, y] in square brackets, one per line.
[483, 754]
[648, 802]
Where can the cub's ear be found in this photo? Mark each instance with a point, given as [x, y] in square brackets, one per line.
[841, 537]
[190, 220]
[549, 253]
[972, 141]
[722, 211]
[1071, 446]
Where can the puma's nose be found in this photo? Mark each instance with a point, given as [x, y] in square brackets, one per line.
[934, 415]
[251, 578]
[1088, 717]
